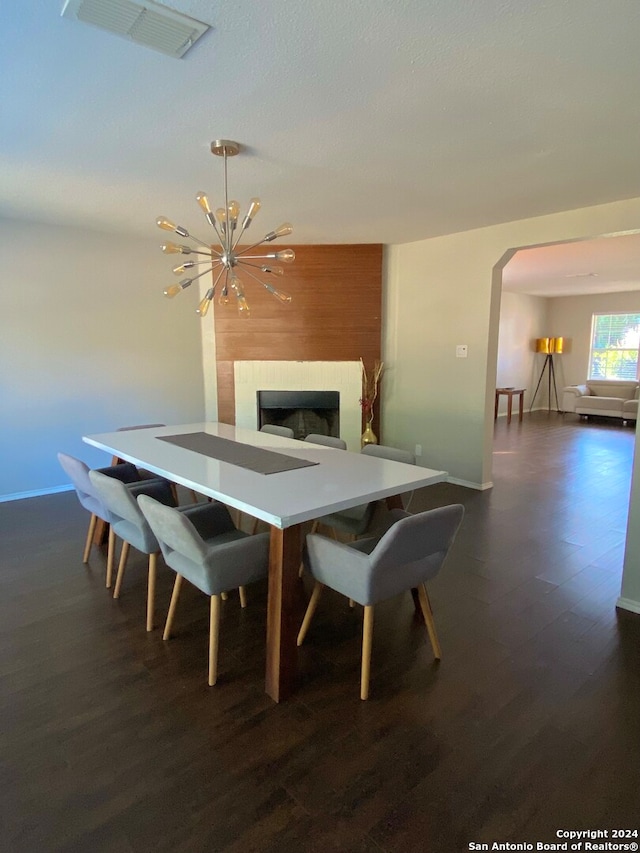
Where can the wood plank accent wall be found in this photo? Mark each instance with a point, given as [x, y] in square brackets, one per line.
[334, 315]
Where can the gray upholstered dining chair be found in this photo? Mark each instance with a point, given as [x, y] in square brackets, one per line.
[78, 473]
[127, 521]
[410, 553]
[203, 545]
[327, 441]
[356, 521]
[274, 429]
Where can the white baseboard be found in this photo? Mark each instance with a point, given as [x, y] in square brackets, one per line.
[469, 485]
[628, 604]
[36, 493]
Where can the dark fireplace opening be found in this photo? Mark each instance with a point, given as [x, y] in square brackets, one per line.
[305, 412]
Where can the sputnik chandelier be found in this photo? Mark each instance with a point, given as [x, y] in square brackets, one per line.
[228, 259]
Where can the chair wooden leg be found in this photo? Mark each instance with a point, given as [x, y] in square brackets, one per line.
[311, 609]
[174, 492]
[255, 527]
[214, 630]
[92, 529]
[151, 589]
[172, 607]
[429, 622]
[121, 566]
[224, 595]
[111, 554]
[367, 637]
[243, 596]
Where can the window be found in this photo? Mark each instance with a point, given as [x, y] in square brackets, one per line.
[615, 339]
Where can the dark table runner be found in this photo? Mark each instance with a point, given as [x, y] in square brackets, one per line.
[235, 453]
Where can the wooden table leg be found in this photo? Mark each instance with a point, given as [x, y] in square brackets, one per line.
[284, 612]
[495, 413]
[509, 407]
[521, 395]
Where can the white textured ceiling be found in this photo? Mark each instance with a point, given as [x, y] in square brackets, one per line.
[604, 265]
[365, 121]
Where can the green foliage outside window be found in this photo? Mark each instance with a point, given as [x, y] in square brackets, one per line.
[614, 346]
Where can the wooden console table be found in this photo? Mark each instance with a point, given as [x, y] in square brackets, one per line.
[510, 393]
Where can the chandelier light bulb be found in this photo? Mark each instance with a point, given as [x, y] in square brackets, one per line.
[221, 217]
[279, 294]
[184, 267]
[174, 249]
[234, 212]
[287, 256]
[282, 231]
[243, 305]
[203, 307]
[203, 201]
[172, 290]
[254, 207]
[272, 270]
[223, 299]
[168, 225]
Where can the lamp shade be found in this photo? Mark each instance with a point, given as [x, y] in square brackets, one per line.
[557, 345]
[543, 345]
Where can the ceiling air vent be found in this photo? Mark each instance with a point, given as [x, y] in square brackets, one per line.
[144, 22]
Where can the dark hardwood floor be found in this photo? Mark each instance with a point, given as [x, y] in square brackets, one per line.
[112, 741]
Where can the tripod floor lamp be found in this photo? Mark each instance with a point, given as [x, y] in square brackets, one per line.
[550, 347]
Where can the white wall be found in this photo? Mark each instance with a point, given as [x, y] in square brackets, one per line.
[630, 593]
[444, 291]
[523, 318]
[88, 344]
[570, 316]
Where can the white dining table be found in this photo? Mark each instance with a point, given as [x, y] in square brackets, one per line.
[284, 500]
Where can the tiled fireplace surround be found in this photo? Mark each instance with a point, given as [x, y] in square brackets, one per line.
[341, 376]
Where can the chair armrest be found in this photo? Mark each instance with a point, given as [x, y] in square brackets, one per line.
[209, 519]
[340, 566]
[160, 489]
[123, 471]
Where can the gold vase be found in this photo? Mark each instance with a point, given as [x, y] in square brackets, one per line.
[368, 436]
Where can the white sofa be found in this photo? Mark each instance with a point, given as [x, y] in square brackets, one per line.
[611, 398]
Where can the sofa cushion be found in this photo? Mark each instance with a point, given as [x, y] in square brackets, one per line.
[599, 404]
[630, 409]
[613, 388]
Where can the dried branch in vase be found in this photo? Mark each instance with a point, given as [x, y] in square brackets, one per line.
[370, 383]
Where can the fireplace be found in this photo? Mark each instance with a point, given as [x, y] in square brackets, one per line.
[342, 378]
[305, 412]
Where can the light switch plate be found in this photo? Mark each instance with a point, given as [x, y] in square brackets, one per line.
[462, 350]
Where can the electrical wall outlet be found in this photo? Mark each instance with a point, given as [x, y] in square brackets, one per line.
[418, 450]
[462, 351]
